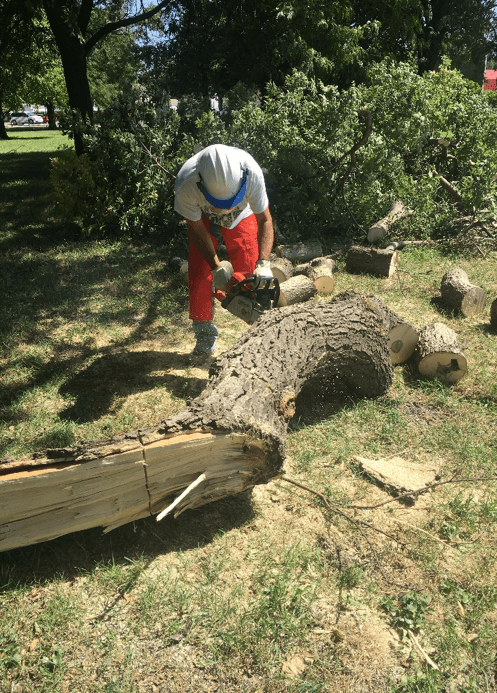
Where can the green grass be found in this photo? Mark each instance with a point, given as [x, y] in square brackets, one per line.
[94, 337]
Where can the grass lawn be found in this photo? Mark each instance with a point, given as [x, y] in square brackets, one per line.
[270, 594]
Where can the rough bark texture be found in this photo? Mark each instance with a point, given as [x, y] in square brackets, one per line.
[300, 252]
[234, 432]
[439, 354]
[401, 336]
[372, 261]
[297, 289]
[493, 314]
[458, 293]
[379, 230]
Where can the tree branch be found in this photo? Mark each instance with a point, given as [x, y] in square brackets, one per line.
[128, 21]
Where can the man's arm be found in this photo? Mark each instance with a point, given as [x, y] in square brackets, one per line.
[265, 233]
[201, 241]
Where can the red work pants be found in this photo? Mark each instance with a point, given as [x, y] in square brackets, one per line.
[243, 250]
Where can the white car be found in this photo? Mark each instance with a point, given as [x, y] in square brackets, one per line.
[24, 117]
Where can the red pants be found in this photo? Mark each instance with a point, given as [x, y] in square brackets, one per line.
[243, 250]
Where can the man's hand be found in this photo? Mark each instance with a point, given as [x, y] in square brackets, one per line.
[262, 271]
[220, 278]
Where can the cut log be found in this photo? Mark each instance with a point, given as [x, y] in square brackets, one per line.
[439, 354]
[233, 433]
[297, 289]
[282, 269]
[382, 263]
[380, 229]
[493, 314]
[319, 271]
[300, 252]
[402, 337]
[458, 293]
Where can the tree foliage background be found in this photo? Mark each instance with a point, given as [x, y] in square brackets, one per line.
[291, 79]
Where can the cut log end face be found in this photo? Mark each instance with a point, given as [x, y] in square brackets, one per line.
[402, 341]
[446, 367]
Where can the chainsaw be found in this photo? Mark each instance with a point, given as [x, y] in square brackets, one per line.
[247, 302]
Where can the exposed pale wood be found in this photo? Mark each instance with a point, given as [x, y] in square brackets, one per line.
[183, 495]
[493, 314]
[282, 269]
[300, 252]
[398, 245]
[439, 354]
[382, 263]
[234, 432]
[380, 229]
[297, 289]
[320, 271]
[459, 293]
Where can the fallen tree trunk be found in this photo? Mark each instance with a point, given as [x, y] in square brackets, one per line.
[439, 354]
[458, 293]
[229, 438]
[382, 263]
[402, 337]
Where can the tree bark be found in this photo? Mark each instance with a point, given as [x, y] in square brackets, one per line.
[439, 354]
[382, 263]
[458, 293]
[233, 433]
[402, 337]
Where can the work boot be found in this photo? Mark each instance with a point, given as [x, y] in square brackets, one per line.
[206, 333]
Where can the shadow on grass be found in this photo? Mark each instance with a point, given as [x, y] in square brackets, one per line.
[79, 553]
[122, 374]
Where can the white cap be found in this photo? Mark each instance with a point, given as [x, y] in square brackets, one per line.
[221, 171]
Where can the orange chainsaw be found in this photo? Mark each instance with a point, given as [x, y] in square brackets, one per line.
[249, 297]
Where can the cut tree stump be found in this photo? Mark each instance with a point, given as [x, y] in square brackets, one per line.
[380, 229]
[458, 293]
[493, 314]
[297, 289]
[300, 252]
[231, 437]
[282, 269]
[439, 354]
[382, 263]
[402, 337]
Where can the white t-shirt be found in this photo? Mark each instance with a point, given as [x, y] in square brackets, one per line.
[190, 202]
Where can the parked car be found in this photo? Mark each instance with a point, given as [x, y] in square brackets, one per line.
[24, 117]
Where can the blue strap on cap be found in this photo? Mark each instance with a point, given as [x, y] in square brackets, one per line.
[232, 201]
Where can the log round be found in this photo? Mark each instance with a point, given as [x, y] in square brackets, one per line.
[379, 230]
[439, 354]
[229, 438]
[493, 314]
[282, 269]
[458, 293]
[382, 263]
[300, 252]
[297, 289]
[320, 271]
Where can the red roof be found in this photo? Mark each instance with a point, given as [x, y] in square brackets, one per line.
[490, 80]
